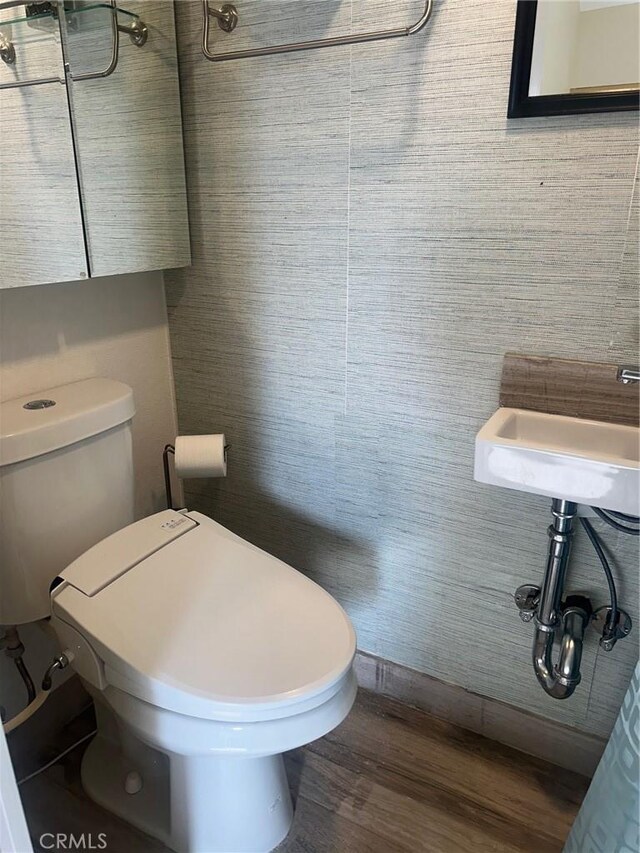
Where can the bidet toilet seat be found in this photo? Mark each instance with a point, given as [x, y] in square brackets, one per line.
[206, 657]
[189, 617]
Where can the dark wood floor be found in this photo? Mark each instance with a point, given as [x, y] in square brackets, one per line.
[390, 778]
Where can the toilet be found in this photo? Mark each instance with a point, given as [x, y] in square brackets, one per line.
[207, 658]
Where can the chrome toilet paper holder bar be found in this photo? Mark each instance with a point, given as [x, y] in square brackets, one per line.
[170, 450]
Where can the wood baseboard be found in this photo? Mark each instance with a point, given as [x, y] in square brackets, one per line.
[37, 739]
[554, 742]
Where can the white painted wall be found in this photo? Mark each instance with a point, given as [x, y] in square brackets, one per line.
[580, 44]
[554, 46]
[590, 5]
[114, 327]
[607, 47]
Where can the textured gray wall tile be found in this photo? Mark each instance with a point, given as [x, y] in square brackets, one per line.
[370, 235]
[266, 298]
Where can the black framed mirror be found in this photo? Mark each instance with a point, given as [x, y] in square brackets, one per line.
[575, 56]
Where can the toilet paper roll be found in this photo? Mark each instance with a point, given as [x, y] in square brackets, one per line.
[201, 456]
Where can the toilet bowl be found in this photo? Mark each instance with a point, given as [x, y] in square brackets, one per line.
[208, 659]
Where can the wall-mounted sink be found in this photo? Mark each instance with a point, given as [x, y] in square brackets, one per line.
[588, 462]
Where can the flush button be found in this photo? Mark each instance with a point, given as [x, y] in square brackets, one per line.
[173, 523]
[39, 404]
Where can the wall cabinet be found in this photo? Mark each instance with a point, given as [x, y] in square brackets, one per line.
[91, 158]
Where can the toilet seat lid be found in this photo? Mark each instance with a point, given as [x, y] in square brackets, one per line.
[211, 626]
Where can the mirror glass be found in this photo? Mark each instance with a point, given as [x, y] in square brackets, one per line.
[41, 233]
[127, 129]
[583, 47]
[93, 179]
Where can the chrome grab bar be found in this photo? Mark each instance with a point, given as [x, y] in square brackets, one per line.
[227, 17]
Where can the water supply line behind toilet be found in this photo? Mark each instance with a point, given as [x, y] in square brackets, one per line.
[568, 620]
[36, 700]
[14, 649]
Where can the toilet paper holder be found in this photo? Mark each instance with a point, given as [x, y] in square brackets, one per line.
[170, 450]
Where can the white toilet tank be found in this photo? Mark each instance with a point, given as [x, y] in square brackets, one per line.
[66, 482]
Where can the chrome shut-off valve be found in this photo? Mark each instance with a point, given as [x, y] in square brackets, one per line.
[527, 598]
[609, 631]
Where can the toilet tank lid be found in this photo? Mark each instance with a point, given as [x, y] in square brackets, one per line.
[48, 420]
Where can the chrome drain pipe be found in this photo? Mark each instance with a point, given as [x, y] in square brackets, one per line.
[561, 679]
[545, 605]
[560, 537]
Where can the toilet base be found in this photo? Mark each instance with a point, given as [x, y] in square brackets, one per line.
[192, 803]
[104, 771]
[198, 785]
[229, 804]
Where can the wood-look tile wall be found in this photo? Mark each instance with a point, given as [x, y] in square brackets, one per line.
[370, 235]
[569, 387]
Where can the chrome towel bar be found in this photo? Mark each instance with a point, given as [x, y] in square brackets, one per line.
[227, 17]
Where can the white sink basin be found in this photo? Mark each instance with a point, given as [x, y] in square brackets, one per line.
[588, 462]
